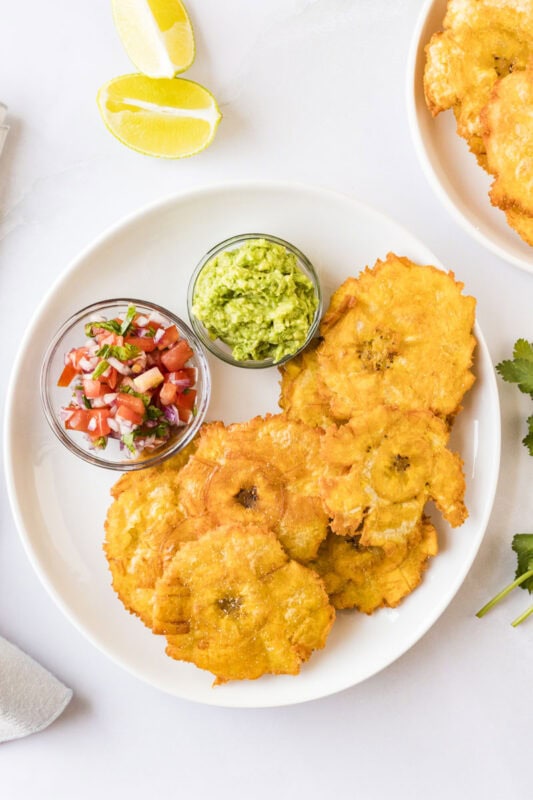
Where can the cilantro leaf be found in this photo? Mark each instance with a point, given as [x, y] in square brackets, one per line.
[523, 349]
[519, 371]
[153, 412]
[528, 440]
[523, 546]
[108, 325]
[129, 441]
[128, 319]
[121, 352]
[100, 369]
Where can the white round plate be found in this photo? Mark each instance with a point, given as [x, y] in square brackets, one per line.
[60, 502]
[450, 168]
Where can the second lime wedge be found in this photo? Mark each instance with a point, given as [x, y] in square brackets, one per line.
[169, 118]
[157, 35]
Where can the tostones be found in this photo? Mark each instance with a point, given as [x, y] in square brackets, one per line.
[302, 394]
[522, 223]
[368, 578]
[508, 137]
[233, 603]
[144, 527]
[380, 470]
[400, 335]
[262, 472]
[481, 41]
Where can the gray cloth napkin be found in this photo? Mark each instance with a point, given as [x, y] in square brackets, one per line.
[3, 128]
[30, 697]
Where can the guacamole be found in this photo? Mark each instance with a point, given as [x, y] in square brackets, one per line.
[257, 300]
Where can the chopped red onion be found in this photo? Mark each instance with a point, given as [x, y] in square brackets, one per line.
[157, 318]
[171, 415]
[123, 369]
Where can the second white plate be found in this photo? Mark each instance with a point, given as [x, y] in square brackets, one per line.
[450, 168]
[60, 502]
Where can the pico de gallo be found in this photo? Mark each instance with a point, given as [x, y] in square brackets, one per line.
[131, 382]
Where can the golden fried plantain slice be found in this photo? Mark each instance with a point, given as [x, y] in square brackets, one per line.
[301, 395]
[522, 223]
[265, 471]
[233, 603]
[508, 136]
[400, 335]
[144, 527]
[368, 578]
[380, 470]
[482, 41]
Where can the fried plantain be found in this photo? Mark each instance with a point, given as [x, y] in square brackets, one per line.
[234, 603]
[302, 393]
[380, 470]
[144, 527]
[400, 335]
[508, 137]
[265, 471]
[368, 578]
[481, 41]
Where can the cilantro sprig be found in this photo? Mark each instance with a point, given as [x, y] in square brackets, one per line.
[523, 547]
[121, 352]
[128, 319]
[519, 370]
[108, 325]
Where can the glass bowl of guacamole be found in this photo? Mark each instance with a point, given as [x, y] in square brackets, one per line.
[254, 300]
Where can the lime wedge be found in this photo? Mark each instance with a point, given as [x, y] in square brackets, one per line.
[157, 35]
[165, 117]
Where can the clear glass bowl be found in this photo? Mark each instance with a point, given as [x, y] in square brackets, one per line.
[70, 335]
[220, 348]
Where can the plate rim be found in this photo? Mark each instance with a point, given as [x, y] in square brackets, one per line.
[424, 158]
[9, 446]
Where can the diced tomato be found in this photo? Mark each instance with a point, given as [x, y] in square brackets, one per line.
[168, 393]
[183, 377]
[186, 399]
[131, 402]
[185, 404]
[145, 343]
[68, 375]
[108, 337]
[111, 378]
[76, 355]
[80, 420]
[101, 415]
[131, 416]
[169, 337]
[94, 389]
[177, 356]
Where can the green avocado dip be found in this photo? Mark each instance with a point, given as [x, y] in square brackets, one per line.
[257, 300]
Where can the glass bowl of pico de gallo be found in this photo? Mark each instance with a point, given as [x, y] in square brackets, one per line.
[125, 384]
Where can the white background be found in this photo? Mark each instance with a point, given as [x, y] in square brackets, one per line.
[313, 92]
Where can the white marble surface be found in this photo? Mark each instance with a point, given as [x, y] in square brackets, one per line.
[311, 91]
